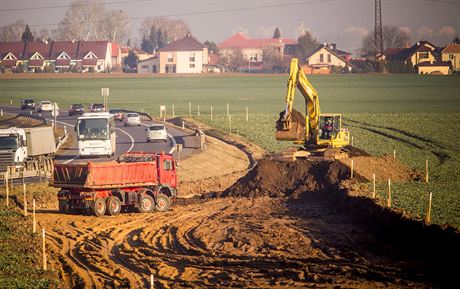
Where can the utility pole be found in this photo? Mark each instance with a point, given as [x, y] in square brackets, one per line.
[378, 37]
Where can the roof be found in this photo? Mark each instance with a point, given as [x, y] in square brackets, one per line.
[240, 41]
[406, 53]
[16, 48]
[37, 46]
[392, 51]
[188, 43]
[99, 48]
[150, 58]
[452, 48]
[69, 47]
[329, 50]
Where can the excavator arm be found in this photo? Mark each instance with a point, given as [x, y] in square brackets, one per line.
[291, 125]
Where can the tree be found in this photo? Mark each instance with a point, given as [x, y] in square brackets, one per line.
[131, 60]
[171, 30]
[272, 60]
[212, 47]
[146, 45]
[27, 35]
[306, 45]
[43, 35]
[236, 60]
[393, 37]
[276, 34]
[158, 37]
[12, 32]
[115, 26]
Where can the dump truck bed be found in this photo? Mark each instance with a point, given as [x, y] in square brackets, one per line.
[105, 175]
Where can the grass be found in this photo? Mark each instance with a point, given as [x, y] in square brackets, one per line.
[19, 253]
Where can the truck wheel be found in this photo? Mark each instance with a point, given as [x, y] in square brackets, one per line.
[146, 204]
[113, 206]
[100, 207]
[64, 207]
[162, 203]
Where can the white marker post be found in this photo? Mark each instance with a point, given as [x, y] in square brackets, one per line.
[173, 111]
[228, 109]
[394, 154]
[7, 189]
[428, 215]
[373, 186]
[34, 221]
[190, 109]
[211, 112]
[247, 114]
[44, 249]
[351, 140]
[389, 194]
[198, 110]
[25, 197]
[152, 280]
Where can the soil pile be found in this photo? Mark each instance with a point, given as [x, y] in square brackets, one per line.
[277, 178]
[384, 168]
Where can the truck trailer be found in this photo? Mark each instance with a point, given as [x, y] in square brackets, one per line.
[18, 146]
[137, 180]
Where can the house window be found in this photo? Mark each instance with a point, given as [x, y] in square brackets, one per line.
[154, 68]
[321, 57]
[170, 57]
[328, 58]
[451, 56]
[145, 66]
[192, 65]
[192, 57]
[99, 67]
[253, 57]
[423, 55]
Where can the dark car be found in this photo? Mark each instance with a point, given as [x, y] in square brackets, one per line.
[27, 103]
[117, 114]
[76, 109]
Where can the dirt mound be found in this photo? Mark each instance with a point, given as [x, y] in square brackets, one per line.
[384, 168]
[277, 178]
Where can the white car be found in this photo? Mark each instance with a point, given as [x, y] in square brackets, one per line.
[156, 132]
[132, 118]
[45, 105]
[96, 107]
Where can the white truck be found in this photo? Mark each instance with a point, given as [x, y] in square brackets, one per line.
[96, 134]
[21, 145]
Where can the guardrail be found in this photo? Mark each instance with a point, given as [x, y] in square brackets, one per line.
[34, 117]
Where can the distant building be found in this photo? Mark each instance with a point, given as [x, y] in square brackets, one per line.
[325, 57]
[451, 53]
[186, 55]
[422, 57]
[252, 50]
[83, 56]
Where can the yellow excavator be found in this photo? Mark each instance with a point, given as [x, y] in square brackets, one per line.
[319, 134]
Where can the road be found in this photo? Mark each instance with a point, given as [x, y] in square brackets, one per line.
[132, 138]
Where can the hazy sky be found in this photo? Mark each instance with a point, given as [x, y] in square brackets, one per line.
[340, 21]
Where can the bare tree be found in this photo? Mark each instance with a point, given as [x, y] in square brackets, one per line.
[13, 31]
[81, 21]
[171, 29]
[272, 59]
[393, 37]
[43, 35]
[115, 26]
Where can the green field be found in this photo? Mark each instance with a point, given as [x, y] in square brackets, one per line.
[419, 116]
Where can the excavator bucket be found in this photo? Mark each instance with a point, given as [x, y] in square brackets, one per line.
[293, 132]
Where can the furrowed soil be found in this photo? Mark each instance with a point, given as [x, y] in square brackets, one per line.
[283, 225]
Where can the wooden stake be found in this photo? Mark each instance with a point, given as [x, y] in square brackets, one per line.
[351, 140]
[190, 109]
[394, 154]
[247, 114]
[34, 221]
[198, 110]
[44, 249]
[211, 112]
[228, 109]
[152, 280]
[389, 194]
[7, 189]
[351, 174]
[183, 125]
[173, 111]
[373, 186]
[426, 170]
[25, 198]
[428, 215]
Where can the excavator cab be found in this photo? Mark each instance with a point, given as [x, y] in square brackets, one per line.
[330, 131]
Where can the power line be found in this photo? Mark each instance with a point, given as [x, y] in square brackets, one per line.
[70, 5]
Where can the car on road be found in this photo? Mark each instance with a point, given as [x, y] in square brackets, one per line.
[77, 108]
[97, 107]
[27, 103]
[156, 132]
[117, 114]
[132, 118]
[45, 105]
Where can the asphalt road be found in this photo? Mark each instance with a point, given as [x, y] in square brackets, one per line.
[131, 138]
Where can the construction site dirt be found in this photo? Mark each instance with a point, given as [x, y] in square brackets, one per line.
[282, 225]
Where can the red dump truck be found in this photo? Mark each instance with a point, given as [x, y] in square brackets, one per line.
[143, 181]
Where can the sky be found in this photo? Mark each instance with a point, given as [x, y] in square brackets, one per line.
[344, 22]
